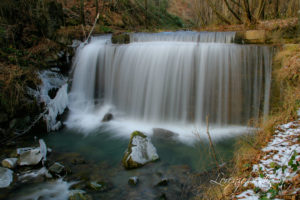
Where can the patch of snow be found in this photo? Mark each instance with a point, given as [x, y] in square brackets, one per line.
[143, 150]
[276, 165]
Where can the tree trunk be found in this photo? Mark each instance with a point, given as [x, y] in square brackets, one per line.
[146, 13]
[82, 12]
[261, 8]
[232, 11]
[219, 15]
[97, 6]
[276, 8]
[236, 3]
[247, 11]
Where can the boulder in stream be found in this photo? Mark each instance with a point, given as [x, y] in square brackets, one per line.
[140, 151]
[133, 180]
[99, 186]
[57, 169]
[164, 134]
[10, 163]
[163, 182]
[107, 117]
[79, 195]
[6, 177]
[30, 156]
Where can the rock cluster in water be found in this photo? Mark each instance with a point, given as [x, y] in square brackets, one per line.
[140, 151]
[28, 156]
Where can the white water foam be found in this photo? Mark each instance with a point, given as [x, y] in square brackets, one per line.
[54, 190]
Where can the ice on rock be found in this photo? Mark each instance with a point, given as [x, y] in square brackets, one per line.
[56, 106]
[6, 177]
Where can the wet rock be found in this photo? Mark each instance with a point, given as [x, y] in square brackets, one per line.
[163, 182]
[78, 161]
[30, 156]
[140, 151]
[57, 169]
[6, 177]
[98, 186]
[79, 195]
[251, 37]
[10, 163]
[120, 38]
[107, 117]
[133, 180]
[164, 134]
[36, 176]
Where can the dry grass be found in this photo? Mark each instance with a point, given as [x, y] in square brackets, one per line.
[43, 47]
[13, 85]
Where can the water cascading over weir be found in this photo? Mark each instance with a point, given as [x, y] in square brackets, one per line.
[171, 79]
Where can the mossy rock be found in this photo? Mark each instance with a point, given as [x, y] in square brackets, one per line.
[79, 195]
[120, 38]
[140, 151]
[99, 186]
[251, 37]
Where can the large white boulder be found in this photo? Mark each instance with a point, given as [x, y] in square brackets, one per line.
[140, 151]
[30, 157]
[33, 156]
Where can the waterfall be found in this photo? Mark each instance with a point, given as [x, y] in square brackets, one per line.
[171, 78]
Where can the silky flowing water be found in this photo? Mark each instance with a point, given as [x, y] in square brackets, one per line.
[163, 82]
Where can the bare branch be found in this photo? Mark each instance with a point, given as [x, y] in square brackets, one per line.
[219, 15]
[232, 11]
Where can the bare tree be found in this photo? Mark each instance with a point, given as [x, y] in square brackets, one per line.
[97, 6]
[82, 17]
[146, 13]
[218, 13]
